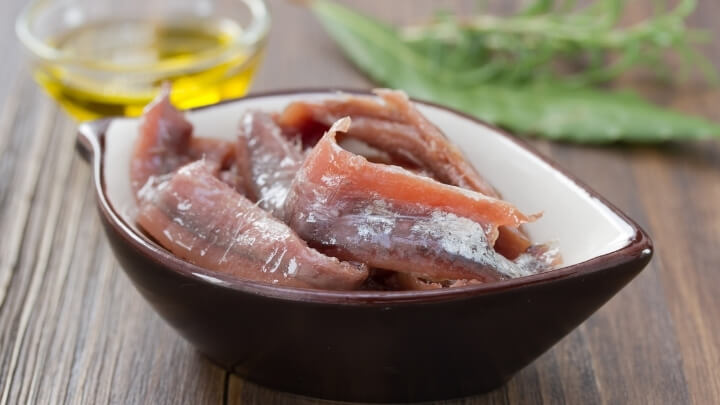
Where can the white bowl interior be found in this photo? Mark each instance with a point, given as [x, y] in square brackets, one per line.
[581, 226]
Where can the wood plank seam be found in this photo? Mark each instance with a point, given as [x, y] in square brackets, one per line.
[226, 388]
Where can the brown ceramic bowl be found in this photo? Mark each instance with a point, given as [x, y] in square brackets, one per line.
[381, 346]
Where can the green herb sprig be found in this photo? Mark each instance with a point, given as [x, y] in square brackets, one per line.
[531, 45]
[514, 72]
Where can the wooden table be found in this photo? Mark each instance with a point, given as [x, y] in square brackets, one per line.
[74, 330]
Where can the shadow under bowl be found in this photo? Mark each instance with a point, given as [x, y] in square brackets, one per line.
[372, 345]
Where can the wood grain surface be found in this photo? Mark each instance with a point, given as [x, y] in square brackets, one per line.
[74, 330]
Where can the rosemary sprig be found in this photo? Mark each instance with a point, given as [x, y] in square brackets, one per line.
[509, 75]
[540, 42]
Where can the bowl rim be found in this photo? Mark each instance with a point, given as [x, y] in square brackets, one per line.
[253, 37]
[91, 145]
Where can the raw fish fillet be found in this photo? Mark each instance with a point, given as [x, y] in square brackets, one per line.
[163, 142]
[204, 221]
[405, 281]
[392, 219]
[537, 259]
[398, 128]
[166, 142]
[218, 151]
[511, 242]
[268, 160]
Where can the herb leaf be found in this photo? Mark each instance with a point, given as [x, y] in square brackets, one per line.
[548, 108]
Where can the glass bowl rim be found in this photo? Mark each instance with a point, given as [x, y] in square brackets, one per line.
[253, 35]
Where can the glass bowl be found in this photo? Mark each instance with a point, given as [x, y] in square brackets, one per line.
[101, 58]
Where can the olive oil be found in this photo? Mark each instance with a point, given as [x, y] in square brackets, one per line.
[114, 68]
